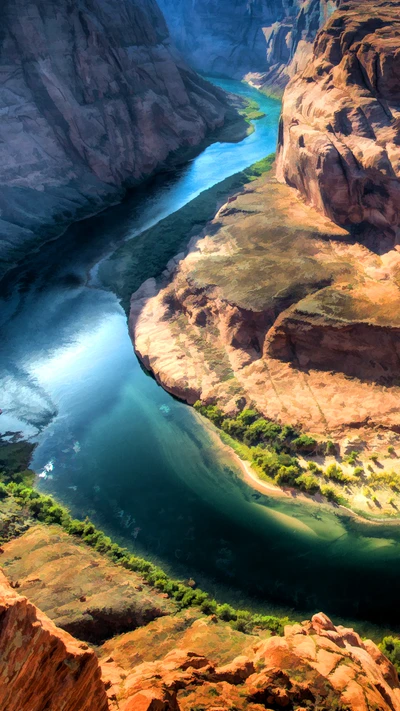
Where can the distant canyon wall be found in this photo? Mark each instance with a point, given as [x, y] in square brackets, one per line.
[339, 141]
[93, 98]
[262, 40]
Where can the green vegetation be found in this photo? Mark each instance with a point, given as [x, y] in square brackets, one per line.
[273, 450]
[390, 646]
[251, 111]
[46, 510]
[15, 456]
[134, 261]
[352, 457]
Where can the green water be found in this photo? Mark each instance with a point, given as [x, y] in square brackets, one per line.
[144, 466]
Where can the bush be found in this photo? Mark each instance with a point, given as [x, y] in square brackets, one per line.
[334, 472]
[287, 475]
[330, 493]
[247, 417]
[234, 428]
[330, 447]
[308, 482]
[358, 471]
[261, 431]
[304, 444]
[390, 646]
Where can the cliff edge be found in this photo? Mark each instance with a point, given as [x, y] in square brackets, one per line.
[93, 99]
[339, 142]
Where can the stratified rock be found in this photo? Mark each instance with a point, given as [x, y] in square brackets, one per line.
[315, 665]
[276, 306]
[41, 666]
[80, 590]
[262, 41]
[93, 99]
[340, 134]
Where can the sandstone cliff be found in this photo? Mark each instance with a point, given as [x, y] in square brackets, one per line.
[314, 666]
[264, 41]
[93, 98]
[340, 132]
[80, 590]
[42, 667]
[188, 661]
[276, 306]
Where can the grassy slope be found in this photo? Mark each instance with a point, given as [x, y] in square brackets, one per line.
[135, 261]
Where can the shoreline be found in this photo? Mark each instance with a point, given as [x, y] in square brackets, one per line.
[275, 491]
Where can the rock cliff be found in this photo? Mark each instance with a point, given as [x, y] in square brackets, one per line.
[188, 661]
[264, 41]
[81, 591]
[277, 306]
[42, 667]
[340, 134]
[314, 666]
[93, 98]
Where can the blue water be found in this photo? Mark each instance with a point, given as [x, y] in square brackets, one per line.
[113, 445]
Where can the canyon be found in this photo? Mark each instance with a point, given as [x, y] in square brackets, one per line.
[288, 301]
[94, 98]
[182, 660]
[260, 41]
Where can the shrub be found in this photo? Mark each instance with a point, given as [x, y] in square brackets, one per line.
[287, 475]
[234, 428]
[330, 447]
[391, 450]
[261, 431]
[308, 482]
[330, 493]
[305, 444]
[390, 646]
[374, 457]
[334, 472]
[358, 471]
[247, 417]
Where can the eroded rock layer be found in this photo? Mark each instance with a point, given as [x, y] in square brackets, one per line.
[264, 41]
[80, 590]
[278, 307]
[92, 99]
[340, 133]
[41, 666]
[185, 661]
[314, 666]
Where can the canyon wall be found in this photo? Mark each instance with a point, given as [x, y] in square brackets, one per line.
[93, 98]
[41, 666]
[261, 40]
[186, 661]
[339, 139]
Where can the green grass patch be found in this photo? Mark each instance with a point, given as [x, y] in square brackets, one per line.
[146, 256]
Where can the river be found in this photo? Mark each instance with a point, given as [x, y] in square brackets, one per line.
[143, 466]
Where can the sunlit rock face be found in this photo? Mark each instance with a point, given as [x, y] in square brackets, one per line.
[41, 666]
[340, 130]
[92, 99]
[263, 40]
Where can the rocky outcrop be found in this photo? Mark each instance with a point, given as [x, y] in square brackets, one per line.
[276, 306]
[185, 661]
[81, 591]
[93, 99]
[41, 666]
[263, 41]
[315, 665]
[340, 134]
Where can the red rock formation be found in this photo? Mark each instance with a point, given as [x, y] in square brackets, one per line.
[340, 133]
[41, 666]
[315, 665]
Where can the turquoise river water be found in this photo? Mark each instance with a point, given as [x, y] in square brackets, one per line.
[113, 445]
